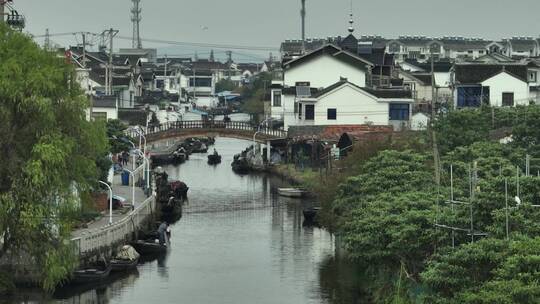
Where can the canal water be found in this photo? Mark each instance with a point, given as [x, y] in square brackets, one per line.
[238, 242]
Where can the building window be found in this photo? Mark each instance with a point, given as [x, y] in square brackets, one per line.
[532, 76]
[299, 110]
[310, 112]
[508, 99]
[277, 99]
[399, 111]
[331, 114]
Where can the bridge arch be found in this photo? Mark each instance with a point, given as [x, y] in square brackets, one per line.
[233, 129]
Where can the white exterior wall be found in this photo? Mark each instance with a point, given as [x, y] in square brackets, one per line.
[277, 112]
[324, 71]
[289, 118]
[409, 67]
[442, 79]
[352, 106]
[112, 113]
[504, 82]
[419, 122]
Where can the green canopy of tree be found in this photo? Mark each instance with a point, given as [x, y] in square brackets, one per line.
[118, 141]
[49, 150]
[225, 85]
[464, 127]
[487, 271]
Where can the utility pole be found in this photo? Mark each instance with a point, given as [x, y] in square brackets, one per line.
[83, 49]
[165, 73]
[303, 15]
[109, 69]
[136, 19]
[47, 44]
[436, 161]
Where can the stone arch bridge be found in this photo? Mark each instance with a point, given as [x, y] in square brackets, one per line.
[233, 129]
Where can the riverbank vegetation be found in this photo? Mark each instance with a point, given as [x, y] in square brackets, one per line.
[49, 153]
[397, 223]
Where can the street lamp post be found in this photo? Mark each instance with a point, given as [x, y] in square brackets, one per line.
[146, 164]
[141, 135]
[258, 131]
[110, 200]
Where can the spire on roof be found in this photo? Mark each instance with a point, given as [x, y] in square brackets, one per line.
[351, 21]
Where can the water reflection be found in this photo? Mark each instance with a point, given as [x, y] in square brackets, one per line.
[238, 242]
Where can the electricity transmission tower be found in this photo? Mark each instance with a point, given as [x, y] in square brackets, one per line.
[136, 19]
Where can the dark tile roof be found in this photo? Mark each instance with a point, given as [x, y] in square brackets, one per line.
[441, 66]
[377, 56]
[389, 93]
[334, 132]
[104, 102]
[425, 78]
[252, 67]
[523, 45]
[379, 93]
[334, 51]
[292, 47]
[207, 65]
[477, 73]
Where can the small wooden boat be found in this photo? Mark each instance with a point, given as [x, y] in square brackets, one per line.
[149, 247]
[291, 192]
[123, 265]
[214, 159]
[310, 213]
[91, 275]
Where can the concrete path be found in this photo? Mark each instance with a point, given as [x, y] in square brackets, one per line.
[123, 191]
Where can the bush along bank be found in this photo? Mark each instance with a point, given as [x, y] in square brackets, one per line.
[393, 218]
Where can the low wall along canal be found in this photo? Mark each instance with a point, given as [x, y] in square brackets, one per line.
[237, 242]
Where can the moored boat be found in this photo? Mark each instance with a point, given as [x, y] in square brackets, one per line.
[214, 159]
[91, 274]
[292, 192]
[311, 213]
[123, 265]
[126, 259]
[149, 247]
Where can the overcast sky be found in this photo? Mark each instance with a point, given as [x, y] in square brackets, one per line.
[268, 22]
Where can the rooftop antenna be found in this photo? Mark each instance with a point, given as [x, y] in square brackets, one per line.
[136, 19]
[303, 15]
[351, 21]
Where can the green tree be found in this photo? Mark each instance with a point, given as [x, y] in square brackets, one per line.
[117, 138]
[48, 150]
[225, 85]
[488, 271]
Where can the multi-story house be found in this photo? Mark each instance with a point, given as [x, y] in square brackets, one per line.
[330, 86]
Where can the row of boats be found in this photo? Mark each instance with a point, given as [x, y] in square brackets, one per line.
[126, 260]
[181, 152]
[170, 198]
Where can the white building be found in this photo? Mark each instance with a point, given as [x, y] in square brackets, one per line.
[492, 84]
[329, 87]
[105, 108]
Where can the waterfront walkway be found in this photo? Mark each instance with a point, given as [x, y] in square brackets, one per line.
[100, 234]
[118, 215]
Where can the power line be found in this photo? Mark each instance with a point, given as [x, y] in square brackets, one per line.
[180, 43]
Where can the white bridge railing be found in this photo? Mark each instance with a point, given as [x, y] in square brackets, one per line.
[212, 126]
[97, 239]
